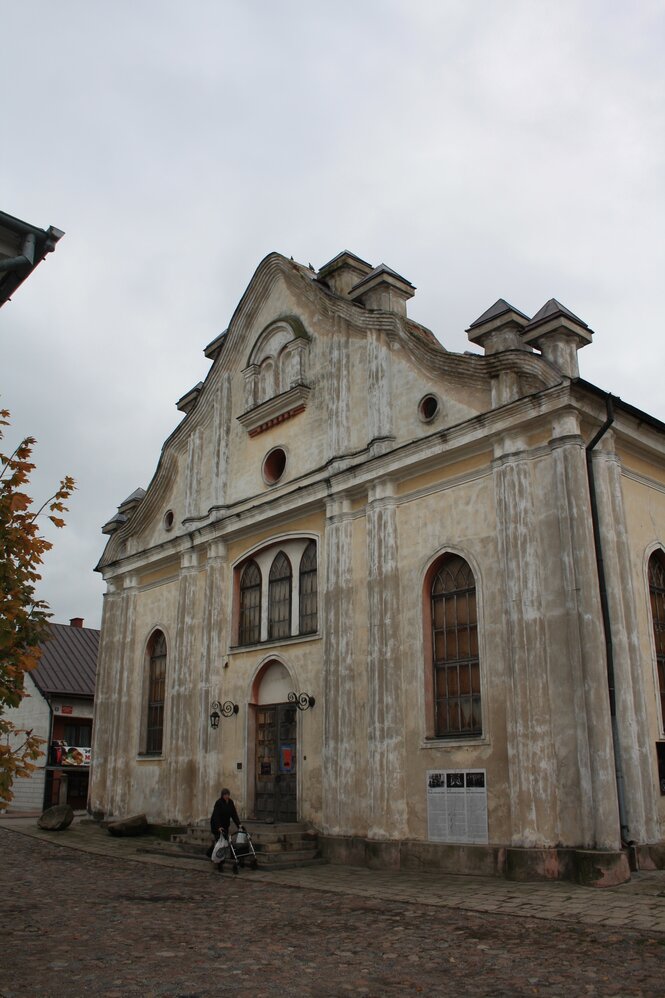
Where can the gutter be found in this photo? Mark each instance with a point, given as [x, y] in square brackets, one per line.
[27, 259]
[35, 245]
[607, 622]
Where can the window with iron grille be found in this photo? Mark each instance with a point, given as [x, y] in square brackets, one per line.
[308, 591]
[657, 594]
[250, 604]
[456, 665]
[156, 688]
[279, 598]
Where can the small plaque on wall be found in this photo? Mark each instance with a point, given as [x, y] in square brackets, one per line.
[457, 806]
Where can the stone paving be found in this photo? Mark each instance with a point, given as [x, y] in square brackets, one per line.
[86, 913]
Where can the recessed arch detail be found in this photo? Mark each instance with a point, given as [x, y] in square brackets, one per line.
[155, 660]
[285, 610]
[453, 685]
[277, 365]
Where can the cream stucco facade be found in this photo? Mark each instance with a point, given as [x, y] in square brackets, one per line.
[331, 424]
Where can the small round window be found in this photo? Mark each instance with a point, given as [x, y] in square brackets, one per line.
[428, 407]
[169, 519]
[273, 465]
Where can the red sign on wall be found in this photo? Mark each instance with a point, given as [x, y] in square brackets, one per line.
[66, 710]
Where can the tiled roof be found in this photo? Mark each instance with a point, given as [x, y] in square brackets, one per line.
[69, 661]
[552, 308]
[500, 307]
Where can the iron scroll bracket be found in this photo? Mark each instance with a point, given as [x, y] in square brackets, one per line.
[303, 701]
[226, 709]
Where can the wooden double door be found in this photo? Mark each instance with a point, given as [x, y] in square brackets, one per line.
[276, 790]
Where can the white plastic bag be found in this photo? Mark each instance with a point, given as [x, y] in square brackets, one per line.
[221, 850]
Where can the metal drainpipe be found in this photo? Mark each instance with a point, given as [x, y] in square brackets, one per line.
[607, 624]
[27, 259]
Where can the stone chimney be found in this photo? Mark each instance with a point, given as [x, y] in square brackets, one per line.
[384, 290]
[76, 622]
[499, 328]
[343, 272]
[189, 399]
[125, 510]
[558, 334]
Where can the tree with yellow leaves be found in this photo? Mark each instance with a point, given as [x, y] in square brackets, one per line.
[23, 617]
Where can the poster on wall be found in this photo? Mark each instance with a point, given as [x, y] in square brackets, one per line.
[457, 806]
[70, 755]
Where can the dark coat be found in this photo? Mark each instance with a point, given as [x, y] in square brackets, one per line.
[223, 813]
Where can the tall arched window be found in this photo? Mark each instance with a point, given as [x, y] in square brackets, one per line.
[657, 594]
[250, 604]
[279, 598]
[456, 666]
[156, 687]
[308, 591]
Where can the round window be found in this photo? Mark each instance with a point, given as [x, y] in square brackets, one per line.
[169, 519]
[274, 464]
[428, 408]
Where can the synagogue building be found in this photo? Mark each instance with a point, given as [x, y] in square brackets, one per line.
[415, 598]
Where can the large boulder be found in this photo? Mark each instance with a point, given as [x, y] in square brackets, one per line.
[56, 819]
[136, 825]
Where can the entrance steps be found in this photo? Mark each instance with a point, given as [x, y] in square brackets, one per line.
[278, 845]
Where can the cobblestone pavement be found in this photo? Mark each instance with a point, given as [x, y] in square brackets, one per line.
[89, 915]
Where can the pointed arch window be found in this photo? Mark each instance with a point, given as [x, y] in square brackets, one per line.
[455, 660]
[250, 604]
[657, 597]
[279, 598]
[156, 691]
[308, 591]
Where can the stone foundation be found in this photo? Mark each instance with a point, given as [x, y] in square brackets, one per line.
[590, 867]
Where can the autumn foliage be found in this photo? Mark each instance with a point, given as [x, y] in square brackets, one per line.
[23, 618]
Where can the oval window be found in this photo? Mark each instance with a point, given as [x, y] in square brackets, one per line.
[428, 408]
[273, 465]
[169, 519]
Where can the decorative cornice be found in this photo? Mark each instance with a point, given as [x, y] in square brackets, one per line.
[275, 410]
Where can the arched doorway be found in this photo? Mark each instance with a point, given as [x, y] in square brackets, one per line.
[276, 746]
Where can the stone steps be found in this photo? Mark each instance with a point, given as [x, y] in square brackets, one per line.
[277, 845]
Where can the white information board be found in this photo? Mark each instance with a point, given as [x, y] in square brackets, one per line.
[457, 805]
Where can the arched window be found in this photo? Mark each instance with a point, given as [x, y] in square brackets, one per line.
[456, 667]
[250, 604]
[279, 598]
[308, 591]
[657, 594]
[156, 686]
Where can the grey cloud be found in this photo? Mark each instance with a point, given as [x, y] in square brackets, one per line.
[499, 149]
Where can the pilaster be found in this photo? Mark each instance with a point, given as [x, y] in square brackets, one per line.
[182, 694]
[216, 617]
[386, 776]
[339, 394]
[379, 387]
[632, 718]
[339, 761]
[222, 424]
[531, 758]
[588, 808]
[122, 740]
[193, 475]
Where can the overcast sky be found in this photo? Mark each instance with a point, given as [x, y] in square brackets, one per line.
[484, 149]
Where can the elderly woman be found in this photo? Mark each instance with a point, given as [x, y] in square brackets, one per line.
[223, 813]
